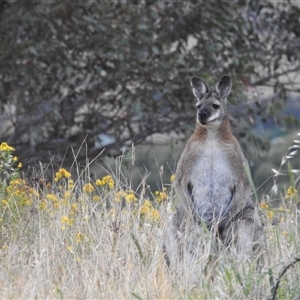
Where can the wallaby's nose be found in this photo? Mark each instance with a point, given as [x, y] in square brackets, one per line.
[203, 114]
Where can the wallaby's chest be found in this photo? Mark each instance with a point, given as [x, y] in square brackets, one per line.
[211, 182]
[211, 170]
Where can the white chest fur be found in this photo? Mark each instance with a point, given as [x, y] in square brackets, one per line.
[212, 182]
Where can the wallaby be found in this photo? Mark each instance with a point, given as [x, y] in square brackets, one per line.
[211, 181]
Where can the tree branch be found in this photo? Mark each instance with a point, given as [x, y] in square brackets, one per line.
[275, 288]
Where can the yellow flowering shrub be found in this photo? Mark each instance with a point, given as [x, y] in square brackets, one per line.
[96, 198]
[155, 215]
[4, 147]
[161, 196]
[148, 211]
[146, 207]
[43, 205]
[129, 196]
[21, 192]
[264, 205]
[7, 163]
[119, 196]
[65, 220]
[4, 202]
[62, 173]
[70, 184]
[106, 181]
[88, 188]
[79, 237]
[291, 193]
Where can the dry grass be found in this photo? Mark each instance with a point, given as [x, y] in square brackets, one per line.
[96, 238]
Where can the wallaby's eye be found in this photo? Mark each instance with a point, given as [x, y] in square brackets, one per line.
[198, 104]
[216, 106]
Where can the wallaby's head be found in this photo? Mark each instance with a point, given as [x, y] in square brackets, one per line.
[211, 105]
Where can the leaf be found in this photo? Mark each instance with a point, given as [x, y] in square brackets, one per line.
[136, 242]
[247, 170]
[32, 50]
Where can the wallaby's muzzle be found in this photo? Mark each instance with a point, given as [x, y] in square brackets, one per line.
[203, 116]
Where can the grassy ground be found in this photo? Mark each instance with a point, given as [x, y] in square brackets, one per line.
[98, 238]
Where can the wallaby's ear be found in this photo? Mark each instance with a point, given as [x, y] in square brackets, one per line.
[223, 86]
[199, 87]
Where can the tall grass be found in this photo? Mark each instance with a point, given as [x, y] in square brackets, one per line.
[78, 236]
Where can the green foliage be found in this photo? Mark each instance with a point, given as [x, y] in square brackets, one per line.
[114, 72]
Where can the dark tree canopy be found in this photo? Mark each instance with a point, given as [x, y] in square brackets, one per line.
[113, 73]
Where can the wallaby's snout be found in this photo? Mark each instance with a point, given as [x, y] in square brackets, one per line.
[203, 115]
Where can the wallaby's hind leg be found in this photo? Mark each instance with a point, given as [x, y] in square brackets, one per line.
[171, 248]
[245, 236]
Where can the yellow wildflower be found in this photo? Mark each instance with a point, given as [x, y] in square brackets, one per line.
[270, 214]
[264, 205]
[79, 237]
[130, 196]
[146, 208]
[64, 201]
[99, 182]
[70, 184]
[291, 192]
[4, 202]
[16, 185]
[67, 195]
[74, 207]
[154, 214]
[88, 188]
[15, 158]
[96, 198]
[6, 148]
[119, 195]
[20, 165]
[26, 201]
[113, 212]
[70, 248]
[161, 196]
[43, 205]
[106, 180]
[52, 197]
[282, 209]
[5, 247]
[172, 178]
[66, 220]
[62, 173]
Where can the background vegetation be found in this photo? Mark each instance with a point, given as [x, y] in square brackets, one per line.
[113, 73]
